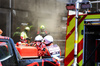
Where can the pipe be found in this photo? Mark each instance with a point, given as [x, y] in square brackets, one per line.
[76, 34]
[94, 1]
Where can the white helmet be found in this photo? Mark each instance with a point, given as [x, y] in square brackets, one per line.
[38, 38]
[27, 28]
[48, 39]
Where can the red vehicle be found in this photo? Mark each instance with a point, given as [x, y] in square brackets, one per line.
[9, 56]
[38, 50]
[85, 51]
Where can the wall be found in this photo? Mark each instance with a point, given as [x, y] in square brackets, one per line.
[42, 12]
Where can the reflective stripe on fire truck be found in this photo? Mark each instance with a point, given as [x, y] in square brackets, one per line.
[69, 50]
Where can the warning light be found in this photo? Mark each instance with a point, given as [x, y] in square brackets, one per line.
[85, 5]
[70, 6]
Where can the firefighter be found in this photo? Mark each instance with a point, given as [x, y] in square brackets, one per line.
[39, 45]
[23, 35]
[38, 39]
[48, 40]
[1, 32]
[16, 35]
[42, 31]
[17, 32]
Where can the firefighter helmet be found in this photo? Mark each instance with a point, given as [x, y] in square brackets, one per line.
[38, 38]
[42, 27]
[48, 39]
[27, 28]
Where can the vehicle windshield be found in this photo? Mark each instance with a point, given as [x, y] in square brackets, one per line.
[4, 51]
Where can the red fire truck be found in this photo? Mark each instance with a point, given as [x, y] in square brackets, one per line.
[82, 39]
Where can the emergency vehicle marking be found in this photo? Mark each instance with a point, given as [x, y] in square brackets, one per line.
[80, 45]
[72, 24]
[80, 42]
[69, 19]
[91, 16]
[80, 48]
[70, 63]
[80, 53]
[69, 44]
[72, 30]
[70, 33]
[80, 21]
[68, 59]
[81, 62]
[80, 39]
[80, 58]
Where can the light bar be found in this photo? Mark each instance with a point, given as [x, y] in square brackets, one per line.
[85, 5]
[70, 6]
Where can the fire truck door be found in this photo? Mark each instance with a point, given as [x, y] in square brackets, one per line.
[91, 34]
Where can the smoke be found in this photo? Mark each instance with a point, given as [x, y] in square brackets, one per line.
[49, 13]
[42, 12]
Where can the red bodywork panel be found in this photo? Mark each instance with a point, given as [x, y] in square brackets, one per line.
[27, 51]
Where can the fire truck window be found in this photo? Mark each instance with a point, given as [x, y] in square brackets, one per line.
[4, 52]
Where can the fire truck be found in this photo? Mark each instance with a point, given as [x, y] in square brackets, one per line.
[10, 55]
[83, 37]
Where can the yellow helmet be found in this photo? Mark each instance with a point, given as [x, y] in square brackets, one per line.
[42, 27]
